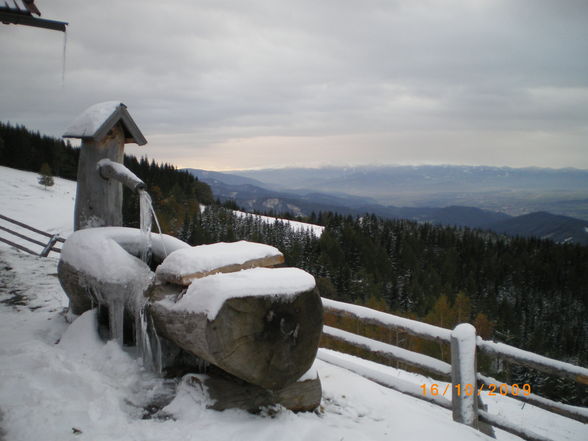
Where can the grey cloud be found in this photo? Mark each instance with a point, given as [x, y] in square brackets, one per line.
[206, 72]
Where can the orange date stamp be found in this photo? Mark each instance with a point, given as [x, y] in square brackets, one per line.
[468, 390]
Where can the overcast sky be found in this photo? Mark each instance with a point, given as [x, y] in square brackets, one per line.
[250, 83]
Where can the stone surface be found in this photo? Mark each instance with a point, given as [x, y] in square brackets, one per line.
[227, 393]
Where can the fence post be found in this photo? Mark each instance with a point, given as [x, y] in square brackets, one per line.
[49, 245]
[463, 375]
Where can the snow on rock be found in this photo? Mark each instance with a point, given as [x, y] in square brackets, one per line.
[91, 119]
[188, 263]
[208, 294]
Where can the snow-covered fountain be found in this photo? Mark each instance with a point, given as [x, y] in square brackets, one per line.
[222, 305]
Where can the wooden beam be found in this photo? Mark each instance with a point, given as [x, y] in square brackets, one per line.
[372, 317]
[20, 247]
[28, 227]
[515, 429]
[22, 236]
[535, 361]
[391, 352]
[573, 412]
[13, 16]
[379, 377]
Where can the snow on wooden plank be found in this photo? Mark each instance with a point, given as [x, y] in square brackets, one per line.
[381, 378]
[371, 316]
[390, 351]
[184, 265]
[507, 426]
[208, 294]
[574, 412]
[535, 361]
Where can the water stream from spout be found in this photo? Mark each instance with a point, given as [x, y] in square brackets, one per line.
[147, 215]
[146, 338]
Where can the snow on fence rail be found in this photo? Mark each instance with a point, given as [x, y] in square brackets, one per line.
[462, 370]
[48, 245]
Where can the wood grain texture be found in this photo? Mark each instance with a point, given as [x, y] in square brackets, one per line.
[261, 339]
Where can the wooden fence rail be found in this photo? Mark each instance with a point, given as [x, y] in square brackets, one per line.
[48, 246]
[462, 370]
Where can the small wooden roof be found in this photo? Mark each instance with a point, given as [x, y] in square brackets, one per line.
[95, 122]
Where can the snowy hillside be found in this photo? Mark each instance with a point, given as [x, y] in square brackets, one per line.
[315, 230]
[59, 382]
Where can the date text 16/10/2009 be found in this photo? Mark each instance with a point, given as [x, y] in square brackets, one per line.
[469, 390]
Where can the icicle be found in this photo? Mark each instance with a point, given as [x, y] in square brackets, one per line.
[157, 357]
[146, 221]
[116, 319]
[63, 64]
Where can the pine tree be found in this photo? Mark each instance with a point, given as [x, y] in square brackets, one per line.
[45, 176]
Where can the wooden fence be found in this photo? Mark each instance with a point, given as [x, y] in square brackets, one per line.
[466, 383]
[47, 241]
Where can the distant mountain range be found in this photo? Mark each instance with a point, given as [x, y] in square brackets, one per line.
[513, 191]
[260, 191]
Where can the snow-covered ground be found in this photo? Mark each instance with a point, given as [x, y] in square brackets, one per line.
[59, 382]
[22, 198]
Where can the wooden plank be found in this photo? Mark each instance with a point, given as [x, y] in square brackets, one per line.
[49, 247]
[12, 16]
[22, 236]
[389, 321]
[535, 361]
[501, 423]
[20, 224]
[573, 412]
[397, 384]
[20, 247]
[391, 352]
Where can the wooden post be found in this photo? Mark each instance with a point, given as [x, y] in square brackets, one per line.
[104, 129]
[463, 375]
[49, 245]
